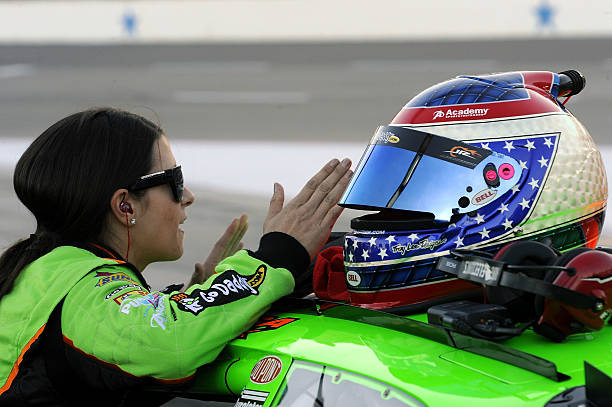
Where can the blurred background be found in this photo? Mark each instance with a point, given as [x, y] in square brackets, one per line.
[256, 91]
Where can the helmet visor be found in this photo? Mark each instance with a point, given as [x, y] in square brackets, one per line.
[407, 169]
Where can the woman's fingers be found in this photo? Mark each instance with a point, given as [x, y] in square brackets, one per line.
[200, 274]
[313, 183]
[221, 244]
[329, 191]
[332, 216]
[277, 201]
[237, 235]
[330, 201]
[309, 216]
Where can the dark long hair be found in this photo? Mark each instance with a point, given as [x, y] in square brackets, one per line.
[68, 175]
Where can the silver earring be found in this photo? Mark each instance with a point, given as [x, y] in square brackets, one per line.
[133, 221]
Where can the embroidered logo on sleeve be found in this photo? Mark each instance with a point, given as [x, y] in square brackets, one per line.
[119, 299]
[226, 287]
[151, 304]
[119, 289]
[110, 277]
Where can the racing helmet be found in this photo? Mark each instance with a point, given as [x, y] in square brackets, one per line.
[475, 162]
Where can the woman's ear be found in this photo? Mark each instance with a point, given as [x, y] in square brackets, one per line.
[121, 205]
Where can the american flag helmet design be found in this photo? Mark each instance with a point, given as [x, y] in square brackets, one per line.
[536, 174]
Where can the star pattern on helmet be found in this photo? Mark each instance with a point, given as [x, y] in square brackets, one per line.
[534, 183]
[355, 244]
[529, 145]
[548, 143]
[523, 164]
[479, 218]
[543, 162]
[484, 233]
[509, 146]
[390, 239]
[507, 224]
[485, 146]
[524, 204]
[365, 254]
[383, 253]
[413, 237]
[459, 241]
[372, 241]
[503, 208]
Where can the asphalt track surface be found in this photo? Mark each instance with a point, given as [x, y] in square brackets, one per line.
[273, 92]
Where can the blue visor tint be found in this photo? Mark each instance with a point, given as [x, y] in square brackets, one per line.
[411, 170]
[372, 188]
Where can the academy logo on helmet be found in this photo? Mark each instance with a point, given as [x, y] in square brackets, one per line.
[459, 113]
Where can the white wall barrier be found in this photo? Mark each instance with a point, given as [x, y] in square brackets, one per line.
[155, 21]
[204, 162]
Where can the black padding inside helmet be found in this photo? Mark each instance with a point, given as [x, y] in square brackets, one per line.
[519, 303]
[390, 219]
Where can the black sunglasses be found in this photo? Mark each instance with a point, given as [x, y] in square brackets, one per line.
[172, 177]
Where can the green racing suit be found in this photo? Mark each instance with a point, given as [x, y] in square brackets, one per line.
[110, 318]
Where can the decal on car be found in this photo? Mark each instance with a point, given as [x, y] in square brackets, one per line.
[251, 398]
[225, 288]
[269, 323]
[266, 370]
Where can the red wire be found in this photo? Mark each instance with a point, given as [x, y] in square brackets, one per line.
[127, 226]
[565, 101]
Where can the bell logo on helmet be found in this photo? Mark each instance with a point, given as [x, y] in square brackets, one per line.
[353, 278]
[484, 196]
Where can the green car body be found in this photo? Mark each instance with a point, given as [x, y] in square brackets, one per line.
[398, 360]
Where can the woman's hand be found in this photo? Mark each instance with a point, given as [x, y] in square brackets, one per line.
[228, 244]
[310, 216]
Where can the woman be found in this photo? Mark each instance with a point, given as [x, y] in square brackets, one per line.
[77, 319]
